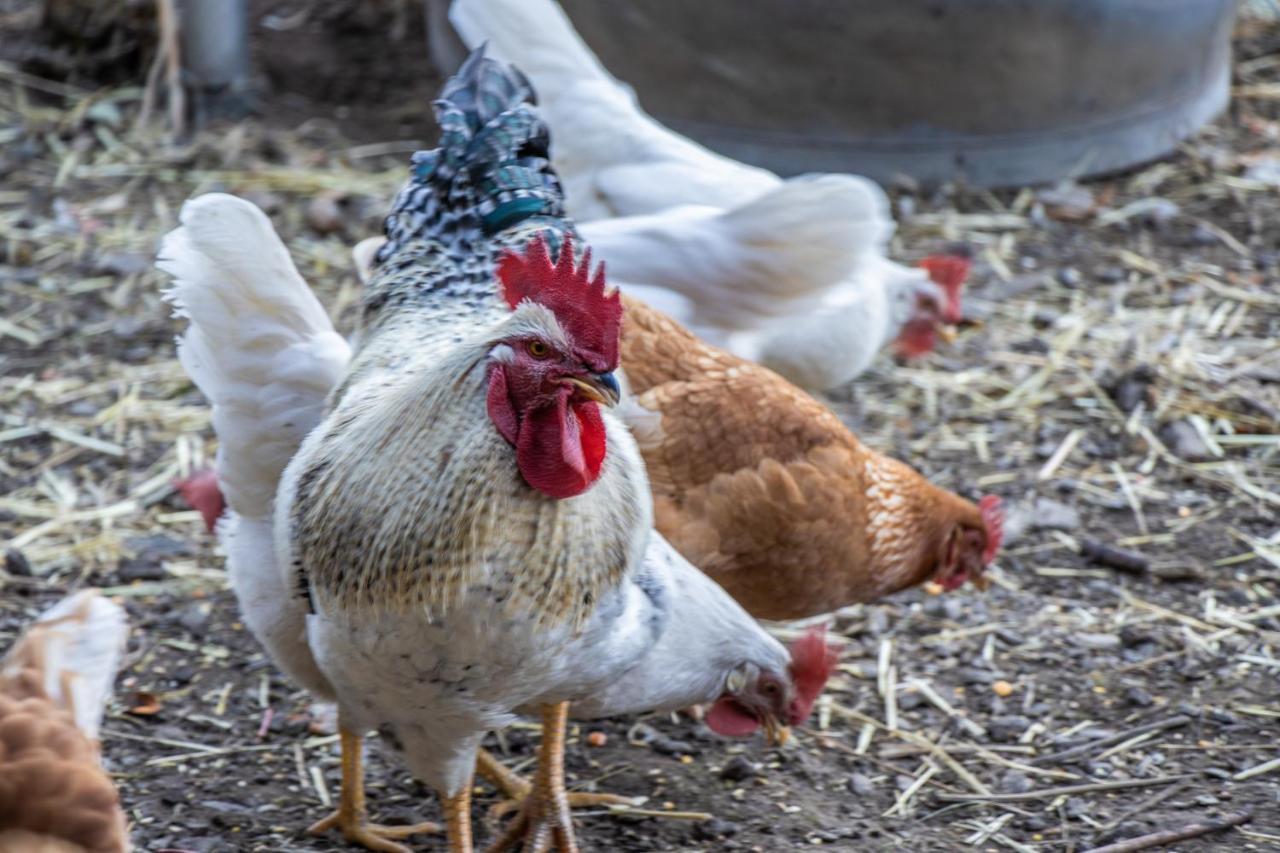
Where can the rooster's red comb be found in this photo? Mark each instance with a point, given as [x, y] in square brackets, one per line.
[948, 272]
[585, 309]
[993, 518]
[813, 660]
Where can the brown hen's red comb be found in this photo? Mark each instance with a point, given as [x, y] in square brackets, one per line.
[948, 272]
[813, 660]
[590, 315]
[993, 517]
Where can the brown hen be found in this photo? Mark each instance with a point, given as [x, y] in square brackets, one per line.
[763, 488]
[54, 794]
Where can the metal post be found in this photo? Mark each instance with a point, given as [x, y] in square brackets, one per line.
[215, 52]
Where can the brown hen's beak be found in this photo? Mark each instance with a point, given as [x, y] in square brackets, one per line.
[598, 387]
[775, 733]
[947, 332]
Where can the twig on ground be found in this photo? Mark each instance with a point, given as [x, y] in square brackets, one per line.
[934, 749]
[1121, 737]
[1168, 836]
[1065, 790]
[1259, 770]
[1146, 805]
[636, 812]
[1120, 559]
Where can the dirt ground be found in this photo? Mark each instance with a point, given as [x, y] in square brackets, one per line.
[1118, 384]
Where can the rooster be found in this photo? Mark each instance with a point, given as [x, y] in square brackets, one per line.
[792, 274]
[54, 685]
[468, 525]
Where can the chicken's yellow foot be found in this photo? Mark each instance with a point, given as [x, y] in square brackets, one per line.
[544, 817]
[351, 819]
[515, 788]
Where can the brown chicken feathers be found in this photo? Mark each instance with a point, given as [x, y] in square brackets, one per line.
[54, 795]
[773, 496]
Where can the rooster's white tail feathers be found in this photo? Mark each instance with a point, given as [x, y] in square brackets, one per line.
[71, 656]
[260, 346]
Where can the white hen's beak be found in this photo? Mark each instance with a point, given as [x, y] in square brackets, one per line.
[775, 733]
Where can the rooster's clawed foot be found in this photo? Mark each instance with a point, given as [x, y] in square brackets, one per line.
[351, 819]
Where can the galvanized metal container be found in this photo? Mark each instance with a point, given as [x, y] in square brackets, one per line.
[992, 92]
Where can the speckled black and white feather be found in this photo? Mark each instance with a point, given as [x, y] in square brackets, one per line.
[486, 186]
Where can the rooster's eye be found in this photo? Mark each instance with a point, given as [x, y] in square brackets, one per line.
[538, 349]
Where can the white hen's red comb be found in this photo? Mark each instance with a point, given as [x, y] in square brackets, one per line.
[948, 272]
[201, 493]
[993, 518]
[813, 660]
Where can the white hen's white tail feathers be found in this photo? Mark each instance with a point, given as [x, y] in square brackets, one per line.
[534, 35]
[773, 256]
[811, 230]
[71, 656]
[260, 346]
[613, 159]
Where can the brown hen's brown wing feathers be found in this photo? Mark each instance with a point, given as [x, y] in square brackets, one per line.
[762, 487]
[51, 785]
[54, 794]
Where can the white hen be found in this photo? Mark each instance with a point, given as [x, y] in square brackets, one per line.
[793, 274]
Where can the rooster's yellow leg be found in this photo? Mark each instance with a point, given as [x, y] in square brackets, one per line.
[351, 818]
[544, 819]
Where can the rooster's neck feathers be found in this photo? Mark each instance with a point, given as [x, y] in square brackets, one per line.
[407, 497]
[434, 487]
[487, 191]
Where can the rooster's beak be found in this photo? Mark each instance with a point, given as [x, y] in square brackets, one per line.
[947, 332]
[600, 387]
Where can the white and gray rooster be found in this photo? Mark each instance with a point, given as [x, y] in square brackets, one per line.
[460, 531]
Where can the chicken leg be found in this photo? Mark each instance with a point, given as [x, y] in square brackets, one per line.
[351, 817]
[544, 817]
[516, 788]
[457, 816]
